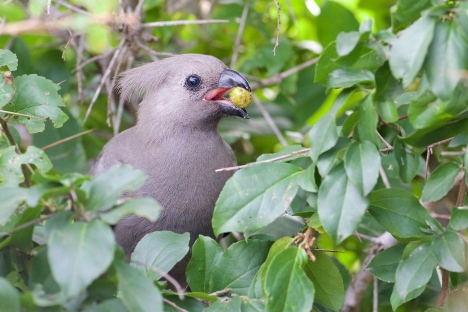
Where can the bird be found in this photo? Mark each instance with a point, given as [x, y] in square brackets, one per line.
[175, 141]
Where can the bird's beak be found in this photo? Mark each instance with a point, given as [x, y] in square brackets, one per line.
[229, 79]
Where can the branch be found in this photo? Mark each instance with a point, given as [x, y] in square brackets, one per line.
[240, 31]
[66, 139]
[295, 153]
[361, 281]
[270, 121]
[186, 22]
[278, 27]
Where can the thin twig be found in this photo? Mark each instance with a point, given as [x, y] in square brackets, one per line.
[104, 77]
[383, 176]
[295, 153]
[175, 306]
[389, 146]
[186, 22]
[366, 237]
[278, 26]
[26, 225]
[66, 139]
[270, 121]
[220, 292]
[118, 118]
[71, 7]
[240, 31]
[276, 79]
[19, 114]
[375, 301]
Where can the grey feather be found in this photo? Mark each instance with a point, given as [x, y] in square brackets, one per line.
[176, 142]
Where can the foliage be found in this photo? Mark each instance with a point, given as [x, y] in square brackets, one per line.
[376, 133]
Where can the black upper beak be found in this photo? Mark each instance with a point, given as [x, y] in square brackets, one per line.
[231, 79]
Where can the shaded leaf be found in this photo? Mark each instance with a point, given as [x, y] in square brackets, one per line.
[10, 197]
[449, 251]
[161, 250]
[362, 164]
[345, 78]
[287, 287]
[366, 126]
[323, 136]
[205, 254]
[384, 264]
[9, 296]
[399, 212]
[425, 137]
[440, 182]
[137, 292]
[346, 42]
[36, 96]
[328, 283]
[306, 179]
[254, 197]
[341, 205]
[8, 59]
[243, 259]
[236, 304]
[72, 254]
[144, 207]
[407, 161]
[459, 219]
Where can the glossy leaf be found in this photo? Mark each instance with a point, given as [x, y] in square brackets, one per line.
[72, 254]
[341, 204]
[205, 254]
[366, 126]
[161, 250]
[346, 42]
[137, 292]
[243, 259]
[306, 179]
[362, 164]
[328, 283]
[323, 136]
[459, 219]
[254, 197]
[384, 264]
[409, 50]
[399, 212]
[440, 182]
[449, 251]
[287, 287]
[408, 163]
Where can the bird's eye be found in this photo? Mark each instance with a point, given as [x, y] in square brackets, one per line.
[193, 81]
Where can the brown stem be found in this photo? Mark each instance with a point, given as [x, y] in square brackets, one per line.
[445, 289]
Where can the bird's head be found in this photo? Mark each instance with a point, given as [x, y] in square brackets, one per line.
[186, 89]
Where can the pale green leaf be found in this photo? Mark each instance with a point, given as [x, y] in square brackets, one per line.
[449, 251]
[145, 207]
[8, 59]
[323, 136]
[440, 182]
[9, 296]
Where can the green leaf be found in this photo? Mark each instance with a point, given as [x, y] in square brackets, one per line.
[366, 126]
[284, 225]
[285, 151]
[329, 27]
[328, 283]
[346, 42]
[399, 212]
[6, 91]
[425, 137]
[407, 11]
[341, 205]
[409, 50]
[287, 287]
[110, 305]
[414, 272]
[254, 197]
[137, 292]
[362, 164]
[104, 190]
[328, 160]
[443, 73]
[205, 253]
[243, 259]
[37, 97]
[10, 197]
[407, 161]
[236, 304]
[8, 59]
[306, 179]
[384, 264]
[459, 219]
[161, 250]
[72, 252]
[144, 207]
[10, 164]
[449, 251]
[9, 296]
[323, 136]
[440, 182]
[346, 78]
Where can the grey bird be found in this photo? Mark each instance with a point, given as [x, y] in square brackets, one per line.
[176, 142]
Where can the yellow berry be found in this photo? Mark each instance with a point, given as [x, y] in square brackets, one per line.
[240, 97]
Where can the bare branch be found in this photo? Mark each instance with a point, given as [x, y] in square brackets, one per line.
[178, 23]
[67, 139]
[240, 31]
[278, 27]
[270, 121]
